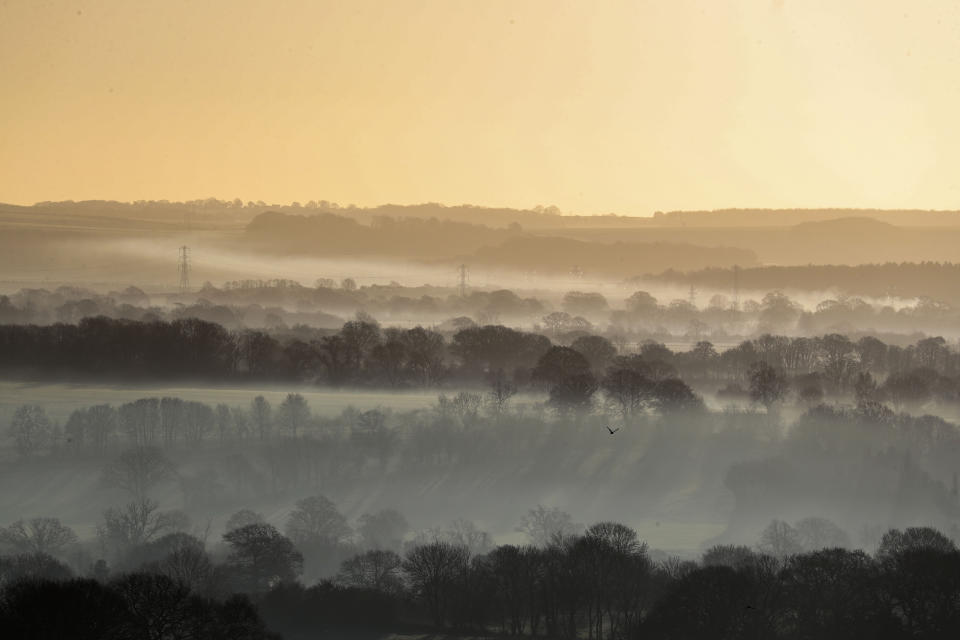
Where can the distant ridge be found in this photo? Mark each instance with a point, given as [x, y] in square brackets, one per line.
[236, 213]
[792, 217]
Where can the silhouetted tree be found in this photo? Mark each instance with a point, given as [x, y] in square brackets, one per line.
[501, 390]
[432, 571]
[767, 385]
[375, 569]
[137, 523]
[559, 363]
[260, 558]
[628, 388]
[573, 393]
[598, 351]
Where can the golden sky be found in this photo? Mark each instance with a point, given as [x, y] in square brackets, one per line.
[594, 106]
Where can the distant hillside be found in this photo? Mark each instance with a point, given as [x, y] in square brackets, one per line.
[327, 235]
[791, 217]
[211, 212]
[560, 255]
[849, 240]
[214, 213]
[437, 232]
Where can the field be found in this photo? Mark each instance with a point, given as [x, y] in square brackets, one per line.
[59, 400]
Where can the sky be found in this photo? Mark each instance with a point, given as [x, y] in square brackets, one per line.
[594, 107]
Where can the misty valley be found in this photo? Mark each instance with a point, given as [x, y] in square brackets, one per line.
[477, 320]
[266, 458]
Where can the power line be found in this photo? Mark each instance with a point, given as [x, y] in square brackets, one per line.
[736, 287]
[463, 280]
[184, 268]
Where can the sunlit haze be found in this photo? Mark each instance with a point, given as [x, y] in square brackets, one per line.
[595, 107]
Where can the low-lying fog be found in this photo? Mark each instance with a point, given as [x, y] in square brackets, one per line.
[677, 479]
[104, 265]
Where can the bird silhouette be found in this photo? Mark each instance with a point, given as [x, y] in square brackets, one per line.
[613, 431]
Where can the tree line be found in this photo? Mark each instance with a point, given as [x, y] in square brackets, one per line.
[933, 280]
[362, 354]
[283, 303]
[601, 582]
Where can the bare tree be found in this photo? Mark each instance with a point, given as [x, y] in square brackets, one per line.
[37, 535]
[619, 537]
[260, 415]
[768, 385]
[187, 564]
[138, 523]
[294, 413]
[31, 429]
[316, 519]
[819, 533]
[261, 557]
[501, 390]
[545, 526]
[780, 540]
[431, 571]
[629, 389]
[375, 569]
[895, 542]
[137, 471]
[465, 533]
[224, 421]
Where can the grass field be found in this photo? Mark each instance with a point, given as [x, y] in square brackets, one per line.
[59, 400]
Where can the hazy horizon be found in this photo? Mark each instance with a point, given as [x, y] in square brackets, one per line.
[574, 388]
[627, 107]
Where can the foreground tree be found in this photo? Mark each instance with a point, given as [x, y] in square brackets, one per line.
[261, 557]
[139, 605]
[432, 571]
[896, 542]
[375, 569]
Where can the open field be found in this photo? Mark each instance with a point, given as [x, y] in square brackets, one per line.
[59, 400]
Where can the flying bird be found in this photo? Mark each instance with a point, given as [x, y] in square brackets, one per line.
[613, 431]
